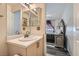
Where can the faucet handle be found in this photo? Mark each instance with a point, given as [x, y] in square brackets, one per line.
[27, 34]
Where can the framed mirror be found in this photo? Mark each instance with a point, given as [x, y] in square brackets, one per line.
[13, 19]
[14, 23]
[31, 18]
[35, 16]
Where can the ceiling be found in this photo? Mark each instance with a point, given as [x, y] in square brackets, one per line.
[55, 11]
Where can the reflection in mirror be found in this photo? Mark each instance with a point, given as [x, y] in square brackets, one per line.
[35, 17]
[25, 21]
[31, 18]
[25, 18]
[13, 23]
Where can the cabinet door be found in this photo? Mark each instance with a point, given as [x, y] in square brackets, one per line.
[59, 41]
[40, 47]
[31, 50]
[35, 49]
[16, 49]
[76, 16]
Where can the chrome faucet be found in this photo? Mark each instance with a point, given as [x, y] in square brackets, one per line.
[27, 34]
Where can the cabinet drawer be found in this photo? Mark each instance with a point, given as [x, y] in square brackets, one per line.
[13, 49]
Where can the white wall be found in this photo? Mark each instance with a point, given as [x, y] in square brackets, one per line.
[68, 18]
[55, 10]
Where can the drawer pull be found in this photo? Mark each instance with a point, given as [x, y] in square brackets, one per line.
[37, 44]
[19, 54]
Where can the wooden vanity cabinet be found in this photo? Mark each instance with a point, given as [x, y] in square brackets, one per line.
[35, 49]
[14, 49]
[59, 41]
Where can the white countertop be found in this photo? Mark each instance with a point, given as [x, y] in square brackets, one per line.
[24, 44]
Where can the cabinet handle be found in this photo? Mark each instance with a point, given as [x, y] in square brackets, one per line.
[37, 44]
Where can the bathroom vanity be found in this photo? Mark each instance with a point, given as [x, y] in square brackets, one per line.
[29, 46]
[26, 21]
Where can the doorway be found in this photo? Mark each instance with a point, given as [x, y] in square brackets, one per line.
[58, 16]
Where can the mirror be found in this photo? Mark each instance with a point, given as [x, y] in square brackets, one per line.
[13, 23]
[14, 19]
[35, 16]
[31, 18]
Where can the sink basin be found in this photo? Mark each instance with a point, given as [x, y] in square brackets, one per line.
[25, 39]
[30, 38]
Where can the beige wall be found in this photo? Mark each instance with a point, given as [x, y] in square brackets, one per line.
[3, 30]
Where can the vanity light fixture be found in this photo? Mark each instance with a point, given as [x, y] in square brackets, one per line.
[34, 9]
[29, 5]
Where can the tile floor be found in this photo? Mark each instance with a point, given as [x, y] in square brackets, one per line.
[53, 51]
